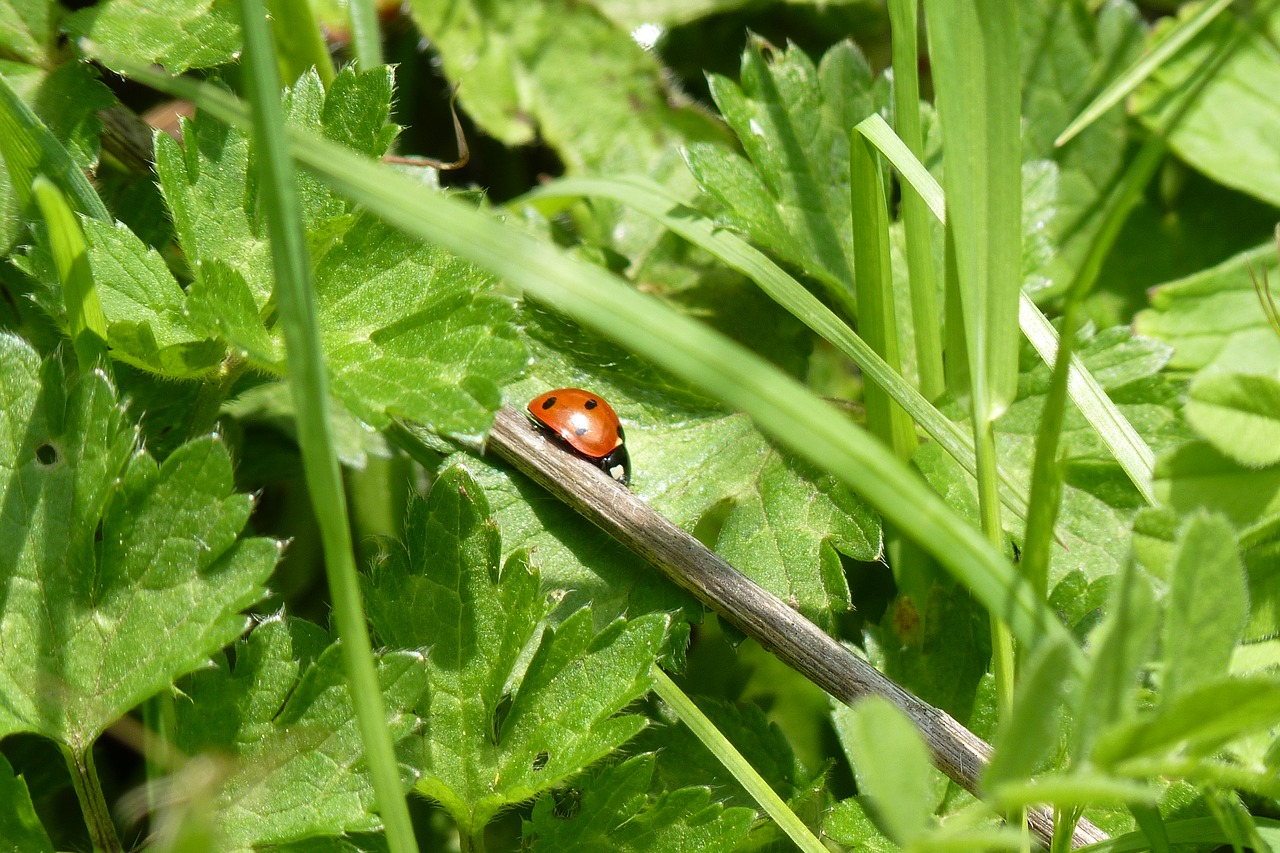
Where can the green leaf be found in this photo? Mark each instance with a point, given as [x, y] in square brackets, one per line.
[123, 574]
[220, 305]
[499, 731]
[616, 812]
[1197, 723]
[27, 29]
[848, 823]
[1030, 731]
[787, 524]
[408, 329]
[682, 761]
[283, 717]
[1118, 647]
[19, 826]
[579, 564]
[147, 322]
[778, 520]
[793, 120]
[88, 327]
[1239, 415]
[891, 763]
[1213, 318]
[1219, 132]
[412, 330]
[29, 149]
[973, 47]
[177, 34]
[1207, 606]
[1197, 476]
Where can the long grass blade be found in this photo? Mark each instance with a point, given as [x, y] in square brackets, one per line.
[308, 382]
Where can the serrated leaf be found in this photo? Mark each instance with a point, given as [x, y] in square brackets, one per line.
[178, 34]
[283, 719]
[1239, 415]
[1207, 606]
[849, 823]
[411, 330]
[20, 827]
[793, 120]
[123, 574]
[220, 305]
[499, 732]
[616, 812]
[579, 564]
[144, 305]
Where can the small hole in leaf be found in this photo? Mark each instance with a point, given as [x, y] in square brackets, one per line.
[46, 454]
[540, 761]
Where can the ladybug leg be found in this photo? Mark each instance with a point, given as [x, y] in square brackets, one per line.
[617, 464]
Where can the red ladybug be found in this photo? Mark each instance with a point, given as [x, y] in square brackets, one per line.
[588, 425]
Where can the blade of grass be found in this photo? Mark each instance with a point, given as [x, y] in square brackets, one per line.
[1128, 448]
[973, 49]
[905, 47]
[873, 293]
[299, 41]
[733, 761]
[366, 36]
[30, 150]
[87, 324]
[309, 385]
[600, 301]
[651, 199]
[1132, 77]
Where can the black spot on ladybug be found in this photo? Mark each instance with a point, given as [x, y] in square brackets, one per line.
[590, 404]
[548, 403]
[581, 431]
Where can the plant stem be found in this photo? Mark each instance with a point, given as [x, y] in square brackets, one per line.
[93, 804]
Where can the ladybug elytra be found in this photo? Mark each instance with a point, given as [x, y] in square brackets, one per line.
[588, 425]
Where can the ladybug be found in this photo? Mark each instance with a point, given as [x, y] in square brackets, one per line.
[588, 424]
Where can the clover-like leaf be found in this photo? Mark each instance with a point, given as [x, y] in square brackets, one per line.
[502, 725]
[281, 720]
[615, 812]
[118, 575]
